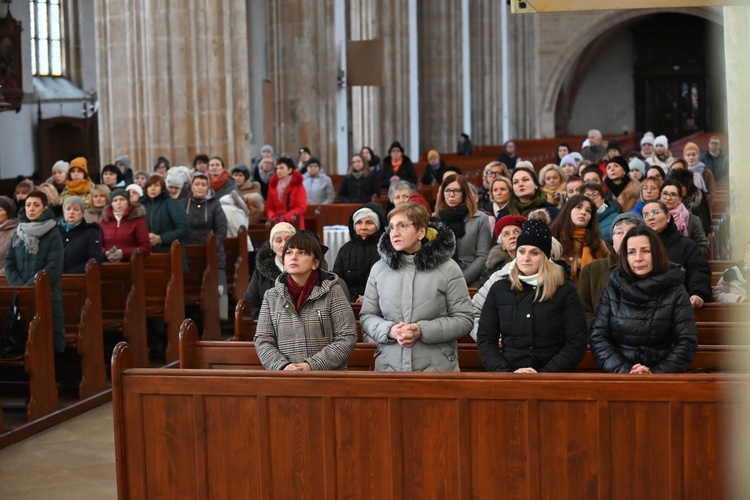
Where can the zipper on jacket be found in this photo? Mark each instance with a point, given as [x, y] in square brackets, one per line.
[322, 328]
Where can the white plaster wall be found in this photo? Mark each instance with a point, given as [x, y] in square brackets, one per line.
[606, 99]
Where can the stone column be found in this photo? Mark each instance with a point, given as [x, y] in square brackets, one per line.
[173, 80]
[486, 72]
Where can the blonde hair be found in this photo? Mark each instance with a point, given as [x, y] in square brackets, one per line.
[556, 168]
[53, 198]
[550, 275]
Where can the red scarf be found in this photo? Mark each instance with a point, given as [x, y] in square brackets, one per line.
[300, 293]
[219, 181]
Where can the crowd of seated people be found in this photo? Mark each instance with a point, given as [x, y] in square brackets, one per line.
[572, 246]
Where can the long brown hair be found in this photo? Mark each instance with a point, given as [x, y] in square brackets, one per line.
[468, 194]
[563, 228]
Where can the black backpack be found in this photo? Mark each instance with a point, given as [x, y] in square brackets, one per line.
[14, 332]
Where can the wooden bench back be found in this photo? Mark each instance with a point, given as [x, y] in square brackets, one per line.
[201, 285]
[38, 361]
[123, 295]
[258, 434]
[165, 293]
[82, 309]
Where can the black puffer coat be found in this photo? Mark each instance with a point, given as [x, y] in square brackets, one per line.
[649, 322]
[356, 257]
[264, 277]
[79, 245]
[548, 336]
[685, 252]
[360, 190]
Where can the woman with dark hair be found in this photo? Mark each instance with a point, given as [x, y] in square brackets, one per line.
[161, 166]
[8, 225]
[373, 161]
[532, 319]
[563, 149]
[672, 194]
[37, 246]
[112, 177]
[643, 322]
[416, 303]
[528, 195]
[287, 199]
[357, 256]
[360, 184]
[123, 229]
[577, 230]
[165, 217]
[397, 166]
[220, 180]
[206, 216]
[694, 199]
[655, 171]
[305, 323]
[625, 189]
[80, 238]
[456, 207]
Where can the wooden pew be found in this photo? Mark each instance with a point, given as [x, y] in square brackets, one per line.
[238, 265]
[201, 285]
[319, 216]
[259, 434]
[718, 311]
[38, 361]
[165, 294]
[82, 307]
[123, 297]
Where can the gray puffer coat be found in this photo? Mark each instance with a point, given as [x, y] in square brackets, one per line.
[649, 322]
[426, 288]
[322, 333]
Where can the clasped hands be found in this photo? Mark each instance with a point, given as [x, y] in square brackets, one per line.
[406, 334]
[639, 369]
[298, 367]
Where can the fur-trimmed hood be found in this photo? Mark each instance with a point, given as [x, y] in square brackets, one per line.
[265, 262]
[134, 211]
[496, 256]
[438, 246]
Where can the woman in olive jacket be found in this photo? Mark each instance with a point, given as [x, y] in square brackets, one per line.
[643, 322]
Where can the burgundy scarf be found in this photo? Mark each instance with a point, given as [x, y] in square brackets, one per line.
[300, 293]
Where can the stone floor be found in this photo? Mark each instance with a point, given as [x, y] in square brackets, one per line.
[73, 460]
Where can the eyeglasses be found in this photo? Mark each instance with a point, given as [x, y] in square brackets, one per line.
[666, 194]
[400, 227]
[453, 192]
[492, 173]
[652, 214]
[593, 195]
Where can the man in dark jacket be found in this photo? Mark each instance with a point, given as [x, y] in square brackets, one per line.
[397, 166]
[716, 160]
[681, 250]
[435, 169]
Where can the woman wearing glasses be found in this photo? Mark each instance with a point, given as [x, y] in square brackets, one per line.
[681, 250]
[643, 322]
[672, 193]
[416, 302]
[457, 209]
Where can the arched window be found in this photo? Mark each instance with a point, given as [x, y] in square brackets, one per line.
[47, 57]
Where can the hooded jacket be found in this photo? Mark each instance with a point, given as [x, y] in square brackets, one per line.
[649, 321]
[205, 216]
[357, 256]
[322, 333]
[129, 234]
[426, 288]
[79, 245]
[549, 336]
[294, 202]
[21, 266]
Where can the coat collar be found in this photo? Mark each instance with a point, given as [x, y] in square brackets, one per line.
[437, 247]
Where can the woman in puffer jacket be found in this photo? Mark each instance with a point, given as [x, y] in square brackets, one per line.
[123, 229]
[416, 303]
[644, 322]
[357, 256]
[306, 322]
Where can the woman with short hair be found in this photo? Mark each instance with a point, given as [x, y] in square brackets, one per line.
[416, 303]
[552, 179]
[644, 322]
[123, 229]
[80, 237]
[287, 199]
[269, 265]
[305, 322]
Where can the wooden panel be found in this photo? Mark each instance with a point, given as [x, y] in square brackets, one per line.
[225, 443]
[568, 444]
[499, 445]
[362, 439]
[640, 434]
[170, 450]
[296, 447]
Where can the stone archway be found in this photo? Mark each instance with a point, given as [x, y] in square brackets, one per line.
[594, 27]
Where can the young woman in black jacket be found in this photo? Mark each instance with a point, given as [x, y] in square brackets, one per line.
[360, 184]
